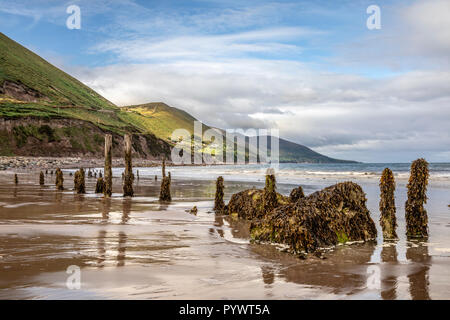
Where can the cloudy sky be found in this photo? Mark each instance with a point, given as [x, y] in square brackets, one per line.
[310, 68]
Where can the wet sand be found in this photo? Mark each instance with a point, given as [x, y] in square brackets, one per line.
[141, 249]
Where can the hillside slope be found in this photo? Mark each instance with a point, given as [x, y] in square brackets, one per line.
[162, 120]
[46, 112]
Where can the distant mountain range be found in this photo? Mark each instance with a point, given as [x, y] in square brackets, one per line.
[46, 112]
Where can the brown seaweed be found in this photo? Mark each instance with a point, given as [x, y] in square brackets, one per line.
[388, 220]
[336, 214]
[416, 215]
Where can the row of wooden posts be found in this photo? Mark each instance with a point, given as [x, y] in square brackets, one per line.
[104, 183]
[416, 215]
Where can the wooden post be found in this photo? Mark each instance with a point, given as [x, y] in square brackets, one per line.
[59, 182]
[41, 179]
[416, 215]
[128, 174]
[219, 205]
[388, 220]
[16, 179]
[79, 181]
[164, 194]
[270, 200]
[164, 167]
[108, 166]
[100, 186]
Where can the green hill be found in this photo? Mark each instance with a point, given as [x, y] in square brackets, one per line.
[46, 112]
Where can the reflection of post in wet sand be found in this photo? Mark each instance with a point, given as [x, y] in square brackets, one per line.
[121, 250]
[101, 247]
[58, 197]
[79, 201]
[388, 281]
[126, 209]
[268, 275]
[218, 222]
[418, 281]
[106, 208]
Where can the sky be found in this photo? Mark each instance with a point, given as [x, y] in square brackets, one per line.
[312, 69]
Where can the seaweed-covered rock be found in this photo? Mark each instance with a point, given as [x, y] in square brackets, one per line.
[416, 215]
[334, 215]
[388, 220]
[296, 194]
[249, 204]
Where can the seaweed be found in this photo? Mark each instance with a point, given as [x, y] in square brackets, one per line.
[79, 181]
[336, 214]
[296, 194]
[388, 220]
[219, 205]
[416, 215]
[59, 181]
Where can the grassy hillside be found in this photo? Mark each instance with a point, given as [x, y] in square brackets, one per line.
[158, 118]
[54, 87]
[45, 111]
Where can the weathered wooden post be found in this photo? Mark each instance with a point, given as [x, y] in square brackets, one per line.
[416, 215]
[79, 181]
[128, 174]
[100, 186]
[41, 179]
[270, 200]
[108, 169]
[388, 220]
[59, 181]
[164, 167]
[219, 205]
[16, 179]
[164, 194]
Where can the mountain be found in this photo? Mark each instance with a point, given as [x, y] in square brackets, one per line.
[162, 120]
[46, 112]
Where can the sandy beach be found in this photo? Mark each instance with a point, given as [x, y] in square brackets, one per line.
[139, 248]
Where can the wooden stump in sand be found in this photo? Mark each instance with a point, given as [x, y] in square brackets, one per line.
[79, 181]
[41, 179]
[100, 186]
[219, 205]
[128, 174]
[108, 166]
[388, 220]
[416, 215]
[59, 181]
[270, 200]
